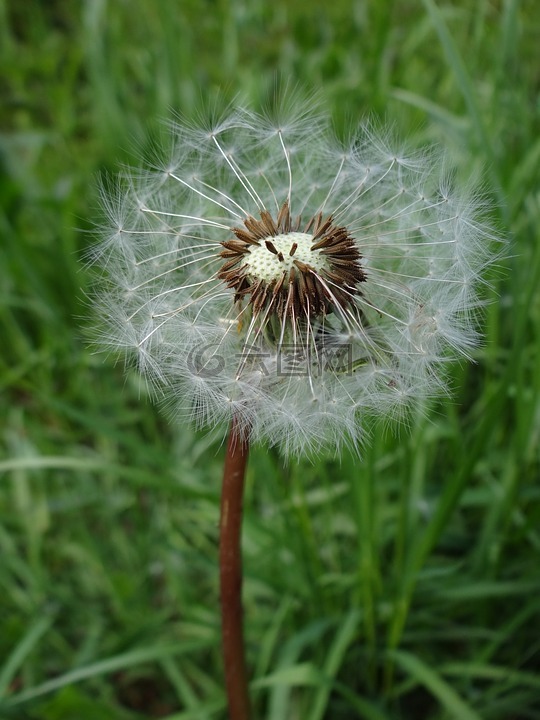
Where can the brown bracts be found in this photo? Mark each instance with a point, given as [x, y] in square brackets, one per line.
[289, 271]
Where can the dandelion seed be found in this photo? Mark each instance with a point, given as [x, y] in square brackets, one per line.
[267, 271]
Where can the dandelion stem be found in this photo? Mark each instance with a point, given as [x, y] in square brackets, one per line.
[230, 563]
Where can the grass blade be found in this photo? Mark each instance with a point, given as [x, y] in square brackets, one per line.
[432, 681]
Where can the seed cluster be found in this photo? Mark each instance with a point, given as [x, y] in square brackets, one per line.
[292, 272]
[299, 329]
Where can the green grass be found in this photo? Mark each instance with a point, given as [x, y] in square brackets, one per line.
[402, 587]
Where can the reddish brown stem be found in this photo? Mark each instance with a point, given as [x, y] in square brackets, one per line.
[230, 571]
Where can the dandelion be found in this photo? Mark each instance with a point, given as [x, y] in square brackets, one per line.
[269, 275]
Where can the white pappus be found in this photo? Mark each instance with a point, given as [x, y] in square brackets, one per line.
[267, 271]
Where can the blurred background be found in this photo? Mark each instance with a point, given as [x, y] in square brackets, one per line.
[402, 585]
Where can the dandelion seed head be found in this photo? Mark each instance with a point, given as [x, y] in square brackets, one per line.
[265, 270]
